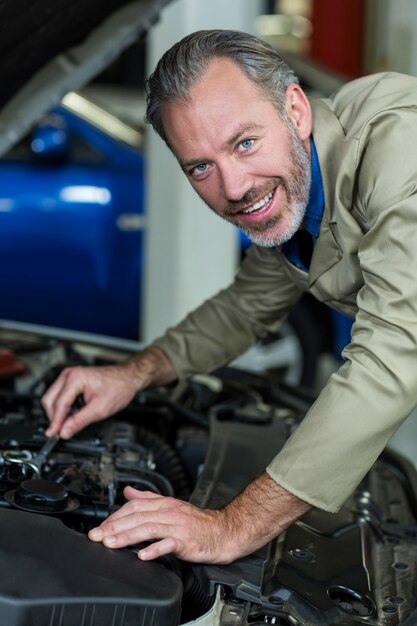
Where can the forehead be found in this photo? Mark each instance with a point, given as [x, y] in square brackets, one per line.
[224, 100]
[224, 74]
[222, 82]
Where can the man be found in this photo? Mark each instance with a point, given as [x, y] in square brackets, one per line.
[327, 191]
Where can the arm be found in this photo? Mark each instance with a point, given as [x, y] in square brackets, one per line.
[254, 517]
[105, 390]
[223, 327]
[367, 399]
[220, 329]
[257, 302]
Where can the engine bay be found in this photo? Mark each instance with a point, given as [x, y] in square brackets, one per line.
[202, 440]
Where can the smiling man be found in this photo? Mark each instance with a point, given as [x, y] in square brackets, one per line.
[326, 190]
[250, 166]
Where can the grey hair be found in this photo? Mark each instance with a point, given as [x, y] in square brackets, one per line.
[183, 66]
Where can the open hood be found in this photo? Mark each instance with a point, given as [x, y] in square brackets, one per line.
[48, 48]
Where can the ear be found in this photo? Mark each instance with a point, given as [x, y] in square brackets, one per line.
[299, 111]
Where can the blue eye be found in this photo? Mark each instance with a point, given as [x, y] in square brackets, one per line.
[201, 168]
[246, 144]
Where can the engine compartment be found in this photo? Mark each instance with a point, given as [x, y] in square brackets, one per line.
[201, 440]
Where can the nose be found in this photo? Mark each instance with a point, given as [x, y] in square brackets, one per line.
[235, 180]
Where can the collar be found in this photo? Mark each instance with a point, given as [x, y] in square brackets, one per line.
[299, 248]
[315, 206]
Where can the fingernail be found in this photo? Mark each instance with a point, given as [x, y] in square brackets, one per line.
[95, 534]
[143, 555]
[66, 433]
[109, 541]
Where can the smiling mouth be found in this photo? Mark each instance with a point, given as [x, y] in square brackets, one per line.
[259, 205]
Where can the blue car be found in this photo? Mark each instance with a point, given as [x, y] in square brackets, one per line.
[71, 223]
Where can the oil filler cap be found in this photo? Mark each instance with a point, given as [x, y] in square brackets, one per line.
[43, 496]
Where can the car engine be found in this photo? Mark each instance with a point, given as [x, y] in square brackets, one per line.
[201, 440]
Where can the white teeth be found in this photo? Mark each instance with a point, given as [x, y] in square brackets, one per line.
[259, 204]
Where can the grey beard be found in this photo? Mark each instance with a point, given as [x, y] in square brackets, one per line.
[298, 191]
[271, 241]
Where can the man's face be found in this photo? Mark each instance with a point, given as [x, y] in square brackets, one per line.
[243, 160]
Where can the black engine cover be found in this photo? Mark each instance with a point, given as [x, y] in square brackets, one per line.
[76, 581]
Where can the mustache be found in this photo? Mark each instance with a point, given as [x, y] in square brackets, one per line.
[234, 206]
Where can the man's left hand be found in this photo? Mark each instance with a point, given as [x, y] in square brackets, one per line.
[259, 513]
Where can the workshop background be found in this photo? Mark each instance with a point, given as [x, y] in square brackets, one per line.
[109, 237]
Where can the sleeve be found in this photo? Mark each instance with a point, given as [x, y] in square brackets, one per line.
[367, 399]
[224, 326]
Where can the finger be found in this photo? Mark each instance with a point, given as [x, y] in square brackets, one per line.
[168, 545]
[49, 398]
[128, 516]
[121, 524]
[79, 420]
[130, 493]
[65, 398]
[134, 507]
[127, 532]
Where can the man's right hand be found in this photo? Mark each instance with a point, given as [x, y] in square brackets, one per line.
[105, 390]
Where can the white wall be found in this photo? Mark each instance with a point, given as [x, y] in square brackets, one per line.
[190, 253]
[402, 36]
[391, 36]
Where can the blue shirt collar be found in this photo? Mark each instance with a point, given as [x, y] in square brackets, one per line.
[315, 206]
[296, 249]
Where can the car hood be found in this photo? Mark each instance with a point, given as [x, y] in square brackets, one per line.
[50, 48]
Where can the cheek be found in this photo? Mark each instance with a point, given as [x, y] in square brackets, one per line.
[275, 156]
[269, 165]
[209, 191]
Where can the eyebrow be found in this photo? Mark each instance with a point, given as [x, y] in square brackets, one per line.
[241, 131]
